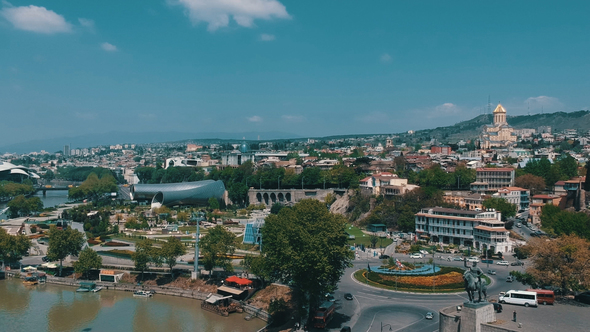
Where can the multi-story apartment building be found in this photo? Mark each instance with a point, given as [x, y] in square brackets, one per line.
[465, 200]
[515, 195]
[385, 183]
[495, 178]
[479, 229]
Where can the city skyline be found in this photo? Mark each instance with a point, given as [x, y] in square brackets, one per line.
[310, 69]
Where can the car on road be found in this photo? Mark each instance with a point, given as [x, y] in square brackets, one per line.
[348, 296]
[384, 257]
[517, 263]
[505, 263]
[583, 297]
[497, 307]
[509, 279]
[460, 259]
[492, 272]
[429, 315]
[45, 259]
[416, 256]
[519, 225]
[424, 252]
[330, 297]
[345, 329]
[473, 259]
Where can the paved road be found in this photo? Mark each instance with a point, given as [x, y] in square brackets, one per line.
[403, 311]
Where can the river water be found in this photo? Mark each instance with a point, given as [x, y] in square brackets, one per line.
[51, 199]
[59, 308]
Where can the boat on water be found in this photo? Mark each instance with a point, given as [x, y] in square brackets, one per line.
[143, 293]
[86, 287]
[97, 289]
[31, 281]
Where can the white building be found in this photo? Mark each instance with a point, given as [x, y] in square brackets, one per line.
[386, 183]
[515, 195]
[479, 229]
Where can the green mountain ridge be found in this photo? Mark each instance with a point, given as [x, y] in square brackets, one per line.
[471, 129]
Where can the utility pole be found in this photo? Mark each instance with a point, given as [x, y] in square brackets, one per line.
[195, 273]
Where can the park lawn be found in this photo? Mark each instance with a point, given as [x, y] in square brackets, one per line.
[366, 239]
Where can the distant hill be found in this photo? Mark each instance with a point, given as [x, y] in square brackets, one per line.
[470, 129]
[84, 141]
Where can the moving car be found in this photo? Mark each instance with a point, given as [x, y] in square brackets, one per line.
[348, 296]
[544, 296]
[583, 297]
[492, 272]
[458, 259]
[416, 255]
[429, 315]
[497, 307]
[384, 257]
[505, 263]
[45, 259]
[473, 259]
[517, 263]
[509, 279]
[519, 225]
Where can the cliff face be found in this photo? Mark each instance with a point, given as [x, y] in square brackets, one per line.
[340, 206]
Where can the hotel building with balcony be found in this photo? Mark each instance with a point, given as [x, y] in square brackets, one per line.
[479, 229]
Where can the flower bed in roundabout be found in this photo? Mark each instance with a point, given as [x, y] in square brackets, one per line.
[446, 280]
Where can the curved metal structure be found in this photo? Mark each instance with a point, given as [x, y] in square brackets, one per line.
[185, 193]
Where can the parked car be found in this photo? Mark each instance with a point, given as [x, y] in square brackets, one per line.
[424, 252]
[330, 297]
[348, 296]
[45, 259]
[583, 297]
[416, 255]
[384, 257]
[517, 263]
[497, 307]
[505, 263]
[429, 315]
[519, 225]
[492, 272]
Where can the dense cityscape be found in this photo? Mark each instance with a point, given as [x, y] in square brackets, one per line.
[246, 165]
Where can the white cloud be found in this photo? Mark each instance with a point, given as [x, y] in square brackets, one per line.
[35, 19]
[385, 58]
[255, 118]
[544, 102]
[108, 47]
[87, 23]
[217, 13]
[267, 37]
[293, 118]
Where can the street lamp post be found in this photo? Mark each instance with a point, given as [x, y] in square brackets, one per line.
[195, 274]
[382, 326]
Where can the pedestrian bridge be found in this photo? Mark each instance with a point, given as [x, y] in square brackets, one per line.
[289, 196]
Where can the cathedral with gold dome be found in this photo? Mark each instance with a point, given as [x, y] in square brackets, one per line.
[498, 134]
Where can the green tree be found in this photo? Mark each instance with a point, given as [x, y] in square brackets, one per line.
[64, 242]
[373, 239]
[144, 254]
[12, 248]
[306, 245]
[215, 247]
[213, 203]
[238, 194]
[88, 260]
[171, 250]
[500, 205]
[534, 183]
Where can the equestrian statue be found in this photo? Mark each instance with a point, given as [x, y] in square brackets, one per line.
[474, 283]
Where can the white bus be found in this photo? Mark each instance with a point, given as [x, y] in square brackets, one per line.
[519, 297]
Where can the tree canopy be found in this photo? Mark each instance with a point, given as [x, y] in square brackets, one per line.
[563, 262]
[171, 250]
[144, 254]
[306, 246]
[534, 183]
[64, 242]
[501, 205]
[21, 206]
[88, 260]
[215, 247]
[13, 248]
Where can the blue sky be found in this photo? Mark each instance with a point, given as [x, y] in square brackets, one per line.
[311, 68]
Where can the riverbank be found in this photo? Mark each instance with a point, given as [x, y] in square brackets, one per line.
[159, 290]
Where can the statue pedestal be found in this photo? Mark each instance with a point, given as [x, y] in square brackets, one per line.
[474, 314]
[194, 275]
